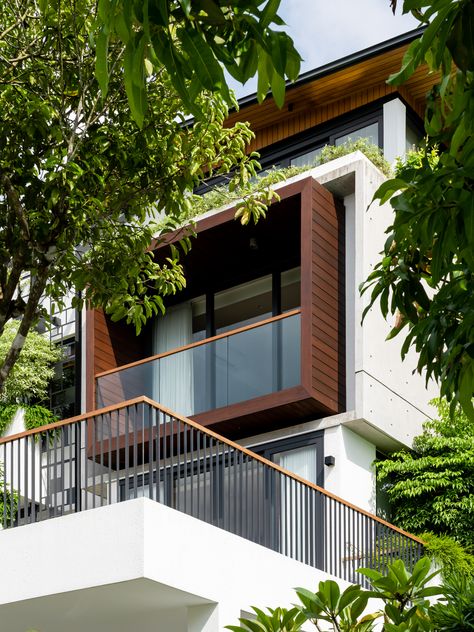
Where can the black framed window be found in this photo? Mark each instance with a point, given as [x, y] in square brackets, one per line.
[304, 148]
[246, 303]
[303, 455]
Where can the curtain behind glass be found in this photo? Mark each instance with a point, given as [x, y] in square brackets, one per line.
[294, 516]
[173, 383]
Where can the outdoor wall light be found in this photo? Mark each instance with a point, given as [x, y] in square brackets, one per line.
[329, 460]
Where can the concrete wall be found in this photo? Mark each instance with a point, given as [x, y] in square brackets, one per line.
[137, 565]
[382, 390]
[394, 129]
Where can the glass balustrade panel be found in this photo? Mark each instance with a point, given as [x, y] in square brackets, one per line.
[220, 373]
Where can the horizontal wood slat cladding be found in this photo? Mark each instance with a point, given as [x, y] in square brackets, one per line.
[323, 333]
[332, 95]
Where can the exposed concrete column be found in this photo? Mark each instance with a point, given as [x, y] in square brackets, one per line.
[394, 129]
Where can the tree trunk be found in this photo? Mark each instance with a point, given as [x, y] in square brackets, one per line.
[36, 291]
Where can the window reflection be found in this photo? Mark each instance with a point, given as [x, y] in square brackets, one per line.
[371, 132]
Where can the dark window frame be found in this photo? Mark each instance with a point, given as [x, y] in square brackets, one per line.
[316, 437]
[320, 135]
[276, 296]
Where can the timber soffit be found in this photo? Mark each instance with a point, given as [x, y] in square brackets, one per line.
[343, 62]
[358, 77]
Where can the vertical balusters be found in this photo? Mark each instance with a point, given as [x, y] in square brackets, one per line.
[134, 437]
[157, 419]
[109, 455]
[178, 465]
[149, 412]
[204, 477]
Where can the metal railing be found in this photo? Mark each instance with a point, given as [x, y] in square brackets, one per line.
[236, 366]
[139, 448]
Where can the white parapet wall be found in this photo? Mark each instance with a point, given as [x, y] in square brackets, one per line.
[138, 565]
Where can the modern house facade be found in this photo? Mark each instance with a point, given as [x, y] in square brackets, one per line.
[252, 411]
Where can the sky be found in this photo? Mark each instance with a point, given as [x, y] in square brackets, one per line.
[326, 31]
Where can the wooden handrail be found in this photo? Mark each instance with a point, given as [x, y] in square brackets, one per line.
[210, 433]
[199, 343]
[70, 420]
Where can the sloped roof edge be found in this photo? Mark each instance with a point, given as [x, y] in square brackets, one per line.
[343, 62]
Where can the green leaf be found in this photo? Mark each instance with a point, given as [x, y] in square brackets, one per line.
[263, 81]
[104, 8]
[278, 52]
[468, 219]
[186, 6]
[278, 89]
[388, 188]
[408, 64]
[269, 12]
[203, 61]
[135, 93]
[349, 596]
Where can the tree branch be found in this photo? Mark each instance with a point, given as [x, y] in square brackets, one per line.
[16, 205]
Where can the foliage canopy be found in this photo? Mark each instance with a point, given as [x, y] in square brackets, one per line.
[195, 41]
[431, 488]
[79, 180]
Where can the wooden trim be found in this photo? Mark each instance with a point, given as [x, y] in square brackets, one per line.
[227, 214]
[71, 420]
[259, 404]
[306, 283]
[199, 343]
[214, 435]
[90, 360]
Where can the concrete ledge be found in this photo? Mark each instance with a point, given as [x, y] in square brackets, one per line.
[137, 561]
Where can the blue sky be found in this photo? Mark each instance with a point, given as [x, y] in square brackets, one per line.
[325, 31]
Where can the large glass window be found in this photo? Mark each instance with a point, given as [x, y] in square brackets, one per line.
[371, 132]
[307, 159]
[198, 311]
[243, 304]
[290, 289]
[238, 306]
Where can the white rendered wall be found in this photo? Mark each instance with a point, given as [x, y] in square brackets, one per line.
[21, 455]
[142, 563]
[352, 476]
[394, 130]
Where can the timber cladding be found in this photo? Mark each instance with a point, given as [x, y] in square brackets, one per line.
[108, 345]
[332, 94]
[322, 388]
[323, 291]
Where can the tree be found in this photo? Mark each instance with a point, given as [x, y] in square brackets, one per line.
[195, 41]
[431, 488]
[79, 180]
[28, 382]
[427, 270]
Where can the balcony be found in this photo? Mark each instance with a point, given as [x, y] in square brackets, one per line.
[256, 363]
[141, 449]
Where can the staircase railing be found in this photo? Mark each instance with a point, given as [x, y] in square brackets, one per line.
[139, 448]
